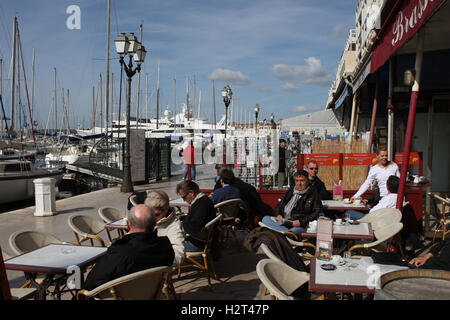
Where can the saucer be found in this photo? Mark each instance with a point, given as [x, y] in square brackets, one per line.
[328, 267]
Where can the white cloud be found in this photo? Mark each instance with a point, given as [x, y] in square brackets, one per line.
[304, 109]
[290, 87]
[338, 31]
[229, 76]
[311, 73]
[264, 89]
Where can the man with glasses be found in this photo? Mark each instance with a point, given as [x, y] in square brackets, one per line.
[202, 211]
[313, 168]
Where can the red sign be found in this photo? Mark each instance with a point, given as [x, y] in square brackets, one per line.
[360, 159]
[405, 22]
[325, 159]
[414, 158]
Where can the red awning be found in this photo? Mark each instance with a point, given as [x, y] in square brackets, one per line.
[401, 26]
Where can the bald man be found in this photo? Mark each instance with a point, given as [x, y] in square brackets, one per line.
[138, 250]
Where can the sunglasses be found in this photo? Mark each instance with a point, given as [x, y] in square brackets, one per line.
[314, 168]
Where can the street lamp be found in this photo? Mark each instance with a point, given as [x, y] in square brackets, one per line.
[227, 95]
[257, 107]
[272, 121]
[136, 51]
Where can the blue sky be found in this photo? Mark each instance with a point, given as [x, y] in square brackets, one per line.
[281, 54]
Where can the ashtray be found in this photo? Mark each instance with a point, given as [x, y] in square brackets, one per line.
[328, 267]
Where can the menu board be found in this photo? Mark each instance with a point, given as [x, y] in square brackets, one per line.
[324, 245]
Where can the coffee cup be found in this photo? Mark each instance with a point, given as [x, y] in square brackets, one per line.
[358, 201]
[338, 221]
[337, 260]
[346, 200]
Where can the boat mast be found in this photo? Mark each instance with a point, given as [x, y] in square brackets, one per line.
[187, 97]
[32, 84]
[101, 102]
[93, 109]
[157, 99]
[108, 24]
[138, 90]
[56, 106]
[214, 105]
[13, 80]
[146, 100]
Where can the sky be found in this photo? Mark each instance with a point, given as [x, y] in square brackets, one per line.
[280, 54]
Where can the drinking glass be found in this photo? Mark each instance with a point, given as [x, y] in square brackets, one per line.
[347, 217]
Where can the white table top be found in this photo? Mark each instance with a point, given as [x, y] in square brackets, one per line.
[55, 258]
[341, 204]
[119, 223]
[354, 273]
[361, 231]
[179, 203]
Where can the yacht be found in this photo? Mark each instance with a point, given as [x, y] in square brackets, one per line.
[16, 179]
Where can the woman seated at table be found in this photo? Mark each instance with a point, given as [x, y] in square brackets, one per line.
[167, 223]
[300, 205]
[380, 173]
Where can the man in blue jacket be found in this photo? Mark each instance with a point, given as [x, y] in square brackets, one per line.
[228, 191]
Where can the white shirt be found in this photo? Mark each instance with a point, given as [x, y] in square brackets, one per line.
[388, 201]
[380, 175]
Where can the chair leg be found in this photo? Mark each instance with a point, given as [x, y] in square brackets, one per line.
[205, 261]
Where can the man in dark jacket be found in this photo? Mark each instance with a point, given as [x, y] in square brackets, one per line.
[437, 258]
[250, 195]
[202, 211]
[313, 168]
[140, 249]
[228, 191]
[300, 205]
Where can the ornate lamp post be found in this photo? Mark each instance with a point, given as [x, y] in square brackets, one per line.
[227, 95]
[257, 107]
[136, 51]
[272, 121]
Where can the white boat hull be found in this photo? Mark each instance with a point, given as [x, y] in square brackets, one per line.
[21, 187]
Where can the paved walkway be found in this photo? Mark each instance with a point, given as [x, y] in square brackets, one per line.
[235, 268]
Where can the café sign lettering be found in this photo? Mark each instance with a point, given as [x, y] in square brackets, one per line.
[407, 19]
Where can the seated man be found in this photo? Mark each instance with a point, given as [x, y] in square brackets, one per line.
[228, 191]
[138, 250]
[202, 211]
[438, 258]
[313, 168]
[167, 223]
[300, 205]
[388, 201]
[249, 194]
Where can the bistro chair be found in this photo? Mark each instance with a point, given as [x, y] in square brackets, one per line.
[110, 215]
[142, 285]
[442, 206]
[28, 240]
[86, 228]
[206, 236]
[133, 200]
[280, 280]
[231, 221]
[382, 217]
[383, 237]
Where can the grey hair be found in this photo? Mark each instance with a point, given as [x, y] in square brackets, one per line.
[158, 200]
[148, 223]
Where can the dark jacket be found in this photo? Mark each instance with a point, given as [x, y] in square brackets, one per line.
[202, 211]
[282, 159]
[251, 196]
[225, 193]
[320, 188]
[134, 252]
[441, 256]
[308, 207]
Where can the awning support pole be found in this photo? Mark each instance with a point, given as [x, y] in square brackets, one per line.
[411, 117]
[390, 138]
[374, 113]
